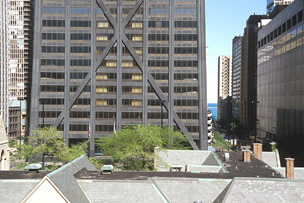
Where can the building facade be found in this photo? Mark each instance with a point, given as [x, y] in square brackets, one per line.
[4, 61]
[108, 64]
[236, 76]
[271, 4]
[224, 86]
[280, 75]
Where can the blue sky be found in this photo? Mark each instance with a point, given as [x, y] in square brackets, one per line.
[224, 20]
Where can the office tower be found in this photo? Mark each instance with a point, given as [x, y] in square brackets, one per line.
[19, 12]
[271, 4]
[224, 87]
[248, 71]
[236, 76]
[280, 75]
[224, 76]
[20, 61]
[4, 57]
[109, 64]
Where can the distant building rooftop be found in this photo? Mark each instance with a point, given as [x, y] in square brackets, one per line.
[16, 103]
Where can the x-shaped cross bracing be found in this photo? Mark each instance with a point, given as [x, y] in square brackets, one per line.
[135, 56]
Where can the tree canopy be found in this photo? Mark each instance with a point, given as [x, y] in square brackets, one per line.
[48, 141]
[134, 145]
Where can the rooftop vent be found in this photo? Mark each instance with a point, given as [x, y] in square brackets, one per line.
[33, 167]
[107, 169]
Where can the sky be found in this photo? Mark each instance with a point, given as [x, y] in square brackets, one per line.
[225, 19]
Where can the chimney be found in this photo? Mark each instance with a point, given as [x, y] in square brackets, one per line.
[289, 170]
[257, 150]
[246, 156]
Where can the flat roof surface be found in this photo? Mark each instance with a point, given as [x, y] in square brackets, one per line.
[236, 168]
[22, 174]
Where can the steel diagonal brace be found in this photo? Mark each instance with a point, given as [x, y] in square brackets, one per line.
[107, 13]
[158, 91]
[131, 13]
[138, 61]
[151, 80]
[86, 80]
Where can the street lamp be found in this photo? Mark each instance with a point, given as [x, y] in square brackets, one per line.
[256, 130]
[20, 117]
[161, 110]
[43, 113]
[256, 120]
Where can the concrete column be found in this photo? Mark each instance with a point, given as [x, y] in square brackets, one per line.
[257, 149]
[289, 170]
[246, 156]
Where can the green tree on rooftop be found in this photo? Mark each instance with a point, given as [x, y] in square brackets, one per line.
[48, 141]
[134, 145]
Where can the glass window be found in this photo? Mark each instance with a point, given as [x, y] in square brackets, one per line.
[80, 23]
[81, 11]
[53, 10]
[185, 11]
[102, 24]
[99, 11]
[159, 11]
[53, 23]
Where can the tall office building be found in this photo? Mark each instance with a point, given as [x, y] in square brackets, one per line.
[19, 12]
[236, 76]
[248, 71]
[271, 4]
[109, 64]
[281, 81]
[224, 87]
[20, 60]
[224, 76]
[4, 58]
[280, 75]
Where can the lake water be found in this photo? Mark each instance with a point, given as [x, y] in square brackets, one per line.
[213, 108]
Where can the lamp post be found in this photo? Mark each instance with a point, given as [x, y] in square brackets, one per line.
[256, 120]
[43, 115]
[89, 136]
[20, 117]
[256, 129]
[161, 111]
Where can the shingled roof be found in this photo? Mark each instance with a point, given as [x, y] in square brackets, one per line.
[79, 181]
[191, 189]
[121, 191]
[298, 172]
[65, 181]
[15, 190]
[265, 190]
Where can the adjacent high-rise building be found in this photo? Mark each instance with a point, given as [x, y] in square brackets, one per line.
[280, 75]
[280, 81]
[4, 59]
[103, 64]
[20, 60]
[236, 76]
[271, 4]
[249, 67]
[19, 12]
[224, 87]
